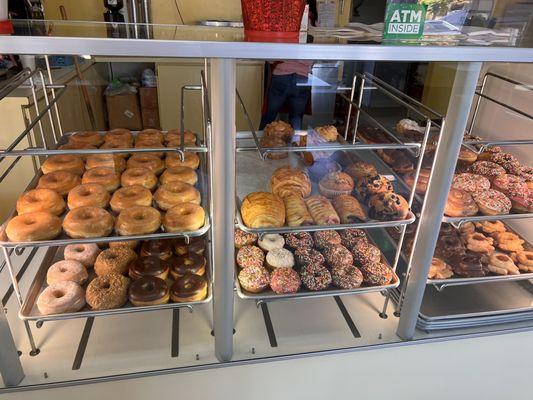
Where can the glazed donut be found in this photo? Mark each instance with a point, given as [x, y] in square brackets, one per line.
[187, 264]
[150, 161]
[40, 200]
[138, 220]
[170, 194]
[491, 227]
[182, 174]
[285, 281]
[139, 176]
[105, 176]
[150, 134]
[189, 288]
[63, 162]
[84, 253]
[388, 206]
[130, 196]
[114, 260]
[492, 202]
[105, 160]
[502, 264]
[271, 241]
[107, 291]
[150, 144]
[61, 297]
[174, 135]
[244, 238]
[157, 248]
[525, 261]
[470, 182]
[149, 291]
[86, 137]
[59, 181]
[33, 227]
[254, 279]
[184, 217]
[66, 270]
[508, 241]
[460, 204]
[250, 256]
[148, 266]
[190, 160]
[315, 277]
[346, 277]
[88, 194]
[487, 168]
[88, 222]
[479, 243]
[119, 134]
[116, 144]
[196, 245]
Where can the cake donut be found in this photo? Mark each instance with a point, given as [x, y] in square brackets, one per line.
[285, 281]
[254, 279]
[119, 135]
[105, 160]
[88, 222]
[150, 134]
[250, 256]
[148, 291]
[315, 277]
[61, 297]
[88, 195]
[365, 253]
[346, 277]
[37, 200]
[244, 238]
[107, 291]
[271, 241]
[189, 288]
[85, 253]
[114, 260]
[33, 226]
[279, 258]
[66, 270]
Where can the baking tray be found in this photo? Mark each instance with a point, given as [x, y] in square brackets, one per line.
[268, 295]
[63, 239]
[30, 312]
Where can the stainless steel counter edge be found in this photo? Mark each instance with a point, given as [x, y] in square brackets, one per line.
[249, 50]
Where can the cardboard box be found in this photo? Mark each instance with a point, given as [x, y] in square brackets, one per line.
[150, 118]
[124, 112]
[148, 96]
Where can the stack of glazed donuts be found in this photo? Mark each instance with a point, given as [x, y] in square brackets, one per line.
[312, 262]
[152, 273]
[104, 193]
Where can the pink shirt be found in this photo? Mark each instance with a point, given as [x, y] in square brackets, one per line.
[302, 68]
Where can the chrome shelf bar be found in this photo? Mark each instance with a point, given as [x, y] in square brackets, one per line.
[458, 221]
[15, 82]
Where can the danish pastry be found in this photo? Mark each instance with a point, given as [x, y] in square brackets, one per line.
[296, 210]
[349, 209]
[322, 210]
[263, 210]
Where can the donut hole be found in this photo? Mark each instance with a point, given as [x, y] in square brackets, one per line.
[78, 249]
[106, 286]
[29, 222]
[85, 192]
[57, 294]
[62, 269]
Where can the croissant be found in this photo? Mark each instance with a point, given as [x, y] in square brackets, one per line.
[296, 210]
[322, 211]
[349, 209]
[287, 180]
[263, 210]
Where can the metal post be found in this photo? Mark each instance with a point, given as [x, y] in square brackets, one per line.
[461, 98]
[10, 366]
[223, 166]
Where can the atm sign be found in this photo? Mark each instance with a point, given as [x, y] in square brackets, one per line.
[404, 21]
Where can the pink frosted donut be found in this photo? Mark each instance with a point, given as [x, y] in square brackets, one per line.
[66, 270]
[84, 253]
[61, 297]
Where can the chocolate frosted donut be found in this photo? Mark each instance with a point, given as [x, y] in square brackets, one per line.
[196, 245]
[347, 277]
[469, 265]
[376, 274]
[148, 266]
[189, 287]
[305, 256]
[187, 264]
[326, 238]
[149, 291]
[298, 240]
[449, 246]
[158, 248]
[315, 277]
[338, 256]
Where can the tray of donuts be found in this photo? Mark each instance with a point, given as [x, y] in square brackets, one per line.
[324, 197]
[81, 280]
[104, 197]
[303, 264]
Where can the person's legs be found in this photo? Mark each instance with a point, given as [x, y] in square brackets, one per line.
[277, 94]
[298, 98]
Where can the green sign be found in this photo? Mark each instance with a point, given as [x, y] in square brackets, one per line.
[404, 21]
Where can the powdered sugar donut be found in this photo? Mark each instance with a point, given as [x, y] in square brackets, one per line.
[83, 253]
[271, 242]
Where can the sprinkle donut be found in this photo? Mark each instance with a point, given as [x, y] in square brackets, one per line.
[315, 277]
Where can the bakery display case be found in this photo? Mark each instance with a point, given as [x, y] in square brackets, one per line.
[317, 240]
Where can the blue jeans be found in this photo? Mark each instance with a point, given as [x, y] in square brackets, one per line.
[285, 89]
